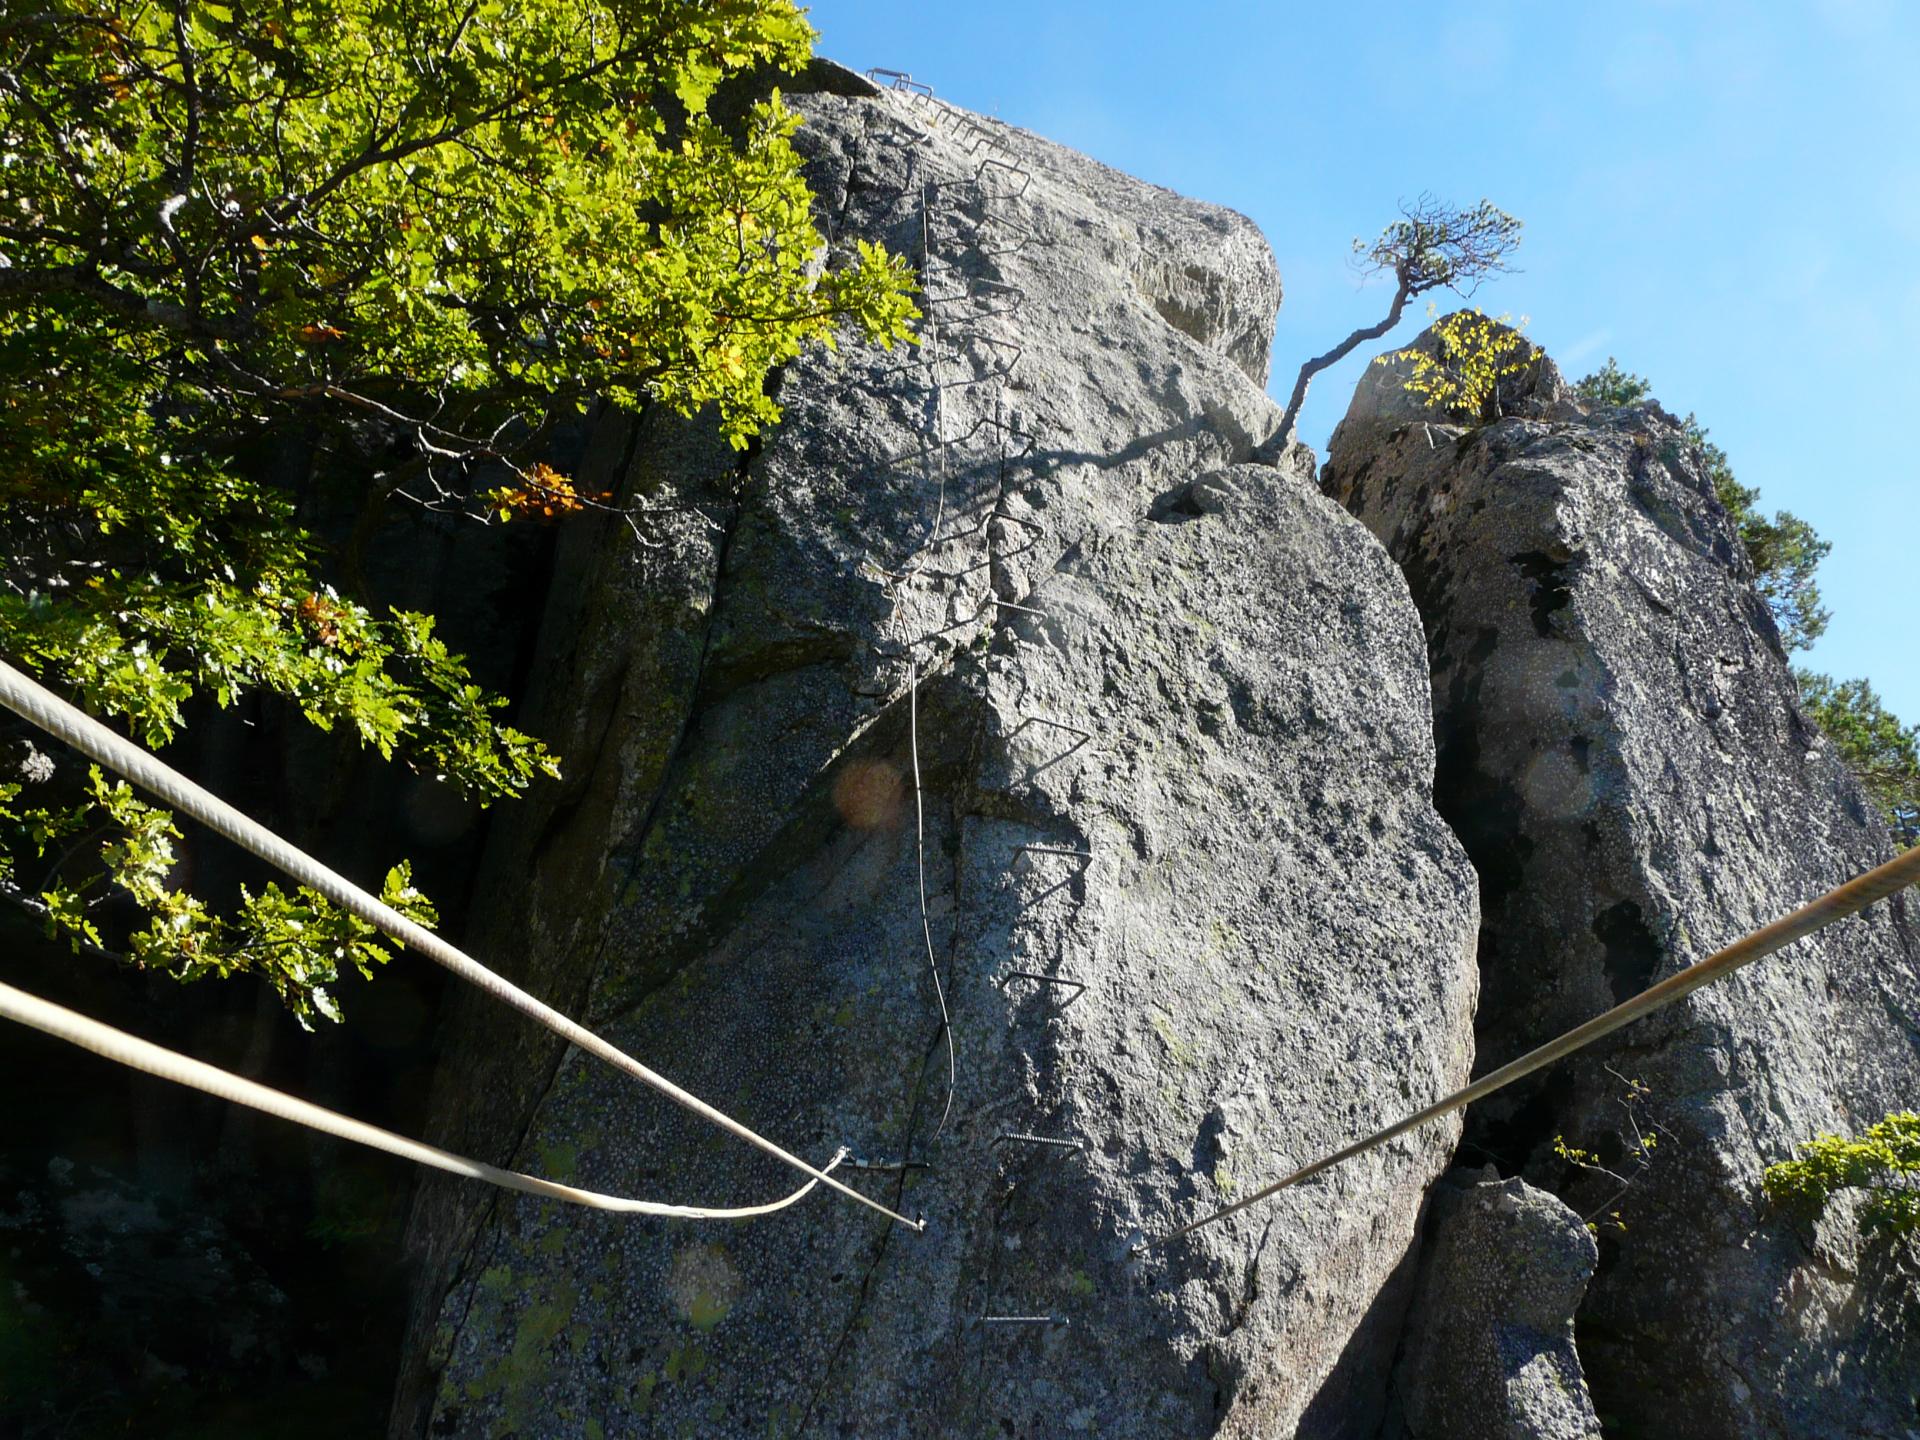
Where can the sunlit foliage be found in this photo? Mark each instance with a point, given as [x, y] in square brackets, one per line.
[230, 235]
[1884, 753]
[1460, 377]
[1882, 1164]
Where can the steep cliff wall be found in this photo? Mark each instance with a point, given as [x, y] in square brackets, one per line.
[1194, 675]
[1620, 751]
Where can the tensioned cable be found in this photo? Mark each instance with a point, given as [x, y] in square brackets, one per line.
[143, 1055]
[1848, 899]
[40, 706]
[920, 855]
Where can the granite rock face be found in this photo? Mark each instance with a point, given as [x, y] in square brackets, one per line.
[1620, 750]
[1489, 1353]
[1193, 683]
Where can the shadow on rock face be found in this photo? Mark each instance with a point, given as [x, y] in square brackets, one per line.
[1622, 755]
[1174, 773]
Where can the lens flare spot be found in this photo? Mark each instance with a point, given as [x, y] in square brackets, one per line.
[870, 795]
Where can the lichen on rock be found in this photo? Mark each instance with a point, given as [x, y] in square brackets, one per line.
[1192, 682]
[1620, 750]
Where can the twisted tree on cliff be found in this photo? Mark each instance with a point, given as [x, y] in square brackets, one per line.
[1432, 246]
[319, 228]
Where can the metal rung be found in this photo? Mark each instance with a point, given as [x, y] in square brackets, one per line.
[1027, 440]
[990, 516]
[1034, 719]
[1037, 530]
[1002, 371]
[1034, 526]
[905, 650]
[854, 1162]
[932, 350]
[900, 80]
[1012, 296]
[1038, 533]
[1016, 1137]
[936, 347]
[1015, 296]
[1052, 850]
[1026, 238]
[1025, 178]
[980, 138]
[1057, 1320]
[1078, 987]
[895, 130]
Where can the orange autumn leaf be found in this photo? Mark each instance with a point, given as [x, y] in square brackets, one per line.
[543, 490]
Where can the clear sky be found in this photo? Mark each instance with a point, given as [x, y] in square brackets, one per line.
[1725, 196]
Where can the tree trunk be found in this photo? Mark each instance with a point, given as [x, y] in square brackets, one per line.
[1334, 356]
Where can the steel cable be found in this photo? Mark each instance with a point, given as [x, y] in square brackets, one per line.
[35, 703]
[156, 1060]
[920, 855]
[1848, 899]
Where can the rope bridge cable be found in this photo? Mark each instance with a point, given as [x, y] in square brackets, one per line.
[35, 703]
[151, 1059]
[1848, 899]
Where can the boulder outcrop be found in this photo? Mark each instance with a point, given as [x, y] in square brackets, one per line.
[1192, 912]
[1488, 1352]
[1621, 752]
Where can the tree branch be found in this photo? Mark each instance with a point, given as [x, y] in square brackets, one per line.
[83, 279]
[377, 154]
[1346, 347]
[20, 900]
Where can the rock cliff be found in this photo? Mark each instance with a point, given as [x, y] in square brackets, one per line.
[1191, 909]
[1620, 751]
[1021, 771]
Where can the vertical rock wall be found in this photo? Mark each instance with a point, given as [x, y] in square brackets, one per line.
[1193, 913]
[1620, 751]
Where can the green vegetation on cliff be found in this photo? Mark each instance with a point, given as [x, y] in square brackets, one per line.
[1786, 552]
[244, 249]
[1432, 246]
[1884, 753]
[1881, 1165]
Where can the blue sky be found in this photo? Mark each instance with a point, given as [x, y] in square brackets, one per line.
[1725, 196]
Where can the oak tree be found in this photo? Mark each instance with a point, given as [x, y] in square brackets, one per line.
[227, 231]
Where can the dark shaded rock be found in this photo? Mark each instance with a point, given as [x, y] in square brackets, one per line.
[1197, 671]
[115, 1304]
[1488, 1353]
[1620, 751]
